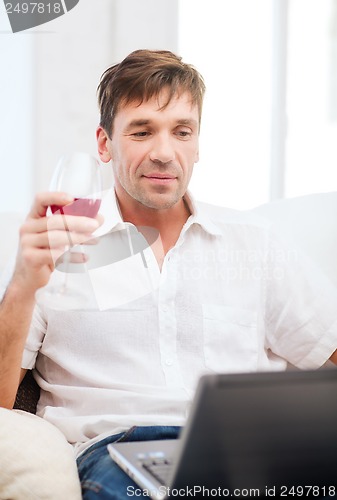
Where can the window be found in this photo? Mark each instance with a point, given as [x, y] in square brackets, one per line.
[311, 159]
[270, 119]
[229, 43]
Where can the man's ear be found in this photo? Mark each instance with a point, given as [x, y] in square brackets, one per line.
[102, 144]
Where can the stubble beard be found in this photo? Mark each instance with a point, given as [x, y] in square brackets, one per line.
[159, 200]
[153, 197]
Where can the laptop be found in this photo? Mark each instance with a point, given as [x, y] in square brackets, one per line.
[269, 433]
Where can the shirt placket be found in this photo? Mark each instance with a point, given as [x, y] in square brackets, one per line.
[167, 322]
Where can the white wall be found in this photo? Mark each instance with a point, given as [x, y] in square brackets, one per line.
[68, 63]
[49, 77]
[16, 117]
[148, 24]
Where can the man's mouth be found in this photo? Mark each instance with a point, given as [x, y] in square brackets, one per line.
[160, 178]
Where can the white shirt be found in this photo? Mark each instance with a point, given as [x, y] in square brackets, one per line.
[229, 298]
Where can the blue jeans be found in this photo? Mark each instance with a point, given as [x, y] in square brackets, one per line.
[101, 478]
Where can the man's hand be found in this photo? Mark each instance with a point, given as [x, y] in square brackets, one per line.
[44, 238]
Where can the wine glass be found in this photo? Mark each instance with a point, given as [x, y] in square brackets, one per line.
[79, 175]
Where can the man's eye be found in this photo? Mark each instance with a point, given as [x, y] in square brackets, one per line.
[184, 133]
[140, 134]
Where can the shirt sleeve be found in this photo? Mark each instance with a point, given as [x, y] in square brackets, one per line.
[301, 307]
[38, 325]
[35, 339]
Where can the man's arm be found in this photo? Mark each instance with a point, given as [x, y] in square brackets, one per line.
[15, 313]
[42, 240]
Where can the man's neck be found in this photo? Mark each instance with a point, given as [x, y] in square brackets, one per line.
[168, 222]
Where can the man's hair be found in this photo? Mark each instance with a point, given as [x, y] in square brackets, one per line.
[143, 74]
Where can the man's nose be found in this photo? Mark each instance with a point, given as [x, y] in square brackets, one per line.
[162, 150]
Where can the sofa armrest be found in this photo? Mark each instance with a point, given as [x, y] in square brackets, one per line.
[36, 461]
[28, 394]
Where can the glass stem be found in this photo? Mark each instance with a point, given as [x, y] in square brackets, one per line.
[66, 254]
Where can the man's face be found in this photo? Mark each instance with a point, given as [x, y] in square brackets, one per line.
[153, 151]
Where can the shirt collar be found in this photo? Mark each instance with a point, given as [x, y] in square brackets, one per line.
[113, 219]
[199, 216]
[110, 210]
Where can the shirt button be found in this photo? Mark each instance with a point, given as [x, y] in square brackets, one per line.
[169, 362]
[164, 309]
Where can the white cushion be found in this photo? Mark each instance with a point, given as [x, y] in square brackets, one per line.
[36, 461]
[310, 223]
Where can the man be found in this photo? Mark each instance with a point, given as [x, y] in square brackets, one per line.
[221, 294]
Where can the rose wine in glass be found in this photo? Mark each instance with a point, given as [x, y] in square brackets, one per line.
[79, 175]
[87, 207]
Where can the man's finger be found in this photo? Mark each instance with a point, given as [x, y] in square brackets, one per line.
[44, 200]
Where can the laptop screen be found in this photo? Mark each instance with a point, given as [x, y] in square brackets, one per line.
[262, 430]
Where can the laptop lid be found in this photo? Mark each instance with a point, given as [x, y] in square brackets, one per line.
[260, 430]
